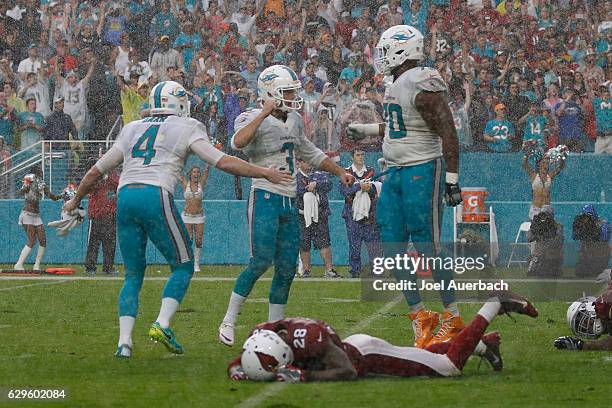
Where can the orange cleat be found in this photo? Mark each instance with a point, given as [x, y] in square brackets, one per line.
[424, 322]
[451, 326]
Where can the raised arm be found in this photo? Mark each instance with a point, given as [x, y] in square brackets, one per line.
[245, 135]
[204, 178]
[558, 170]
[528, 168]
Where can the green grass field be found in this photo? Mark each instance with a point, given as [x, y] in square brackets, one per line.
[61, 334]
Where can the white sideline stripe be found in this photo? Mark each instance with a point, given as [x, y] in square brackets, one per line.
[277, 388]
[35, 284]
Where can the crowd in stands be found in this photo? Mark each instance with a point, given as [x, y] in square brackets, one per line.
[516, 70]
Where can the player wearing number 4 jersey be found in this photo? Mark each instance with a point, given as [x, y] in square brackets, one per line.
[153, 151]
[300, 349]
[272, 136]
[419, 130]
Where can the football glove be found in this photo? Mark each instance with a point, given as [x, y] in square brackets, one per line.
[569, 343]
[236, 373]
[604, 277]
[290, 374]
[452, 195]
[358, 131]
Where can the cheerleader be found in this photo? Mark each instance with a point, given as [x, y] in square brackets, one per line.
[193, 214]
[33, 189]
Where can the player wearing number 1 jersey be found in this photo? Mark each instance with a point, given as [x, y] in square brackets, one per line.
[153, 151]
[272, 136]
[418, 132]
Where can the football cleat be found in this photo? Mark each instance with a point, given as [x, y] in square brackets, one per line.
[424, 322]
[513, 303]
[226, 334]
[123, 351]
[492, 354]
[450, 327]
[306, 274]
[165, 336]
[332, 274]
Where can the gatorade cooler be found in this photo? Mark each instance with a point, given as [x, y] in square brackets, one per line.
[474, 209]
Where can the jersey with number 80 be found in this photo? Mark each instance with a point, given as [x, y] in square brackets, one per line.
[307, 338]
[155, 148]
[408, 140]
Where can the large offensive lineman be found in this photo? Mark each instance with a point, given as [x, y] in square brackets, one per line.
[153, 151]
[419, 130]
[271, 136]
[300, 349]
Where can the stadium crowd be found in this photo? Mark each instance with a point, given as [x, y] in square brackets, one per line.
[517, 70]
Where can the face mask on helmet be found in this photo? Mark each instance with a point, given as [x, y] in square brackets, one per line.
[263, 353]
[397, 45]
[583, 320]
[275, 82]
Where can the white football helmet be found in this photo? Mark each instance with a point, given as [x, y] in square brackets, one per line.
[398, 44]
[169, 98]
[583, 320]
[263, 353]
[274, 80]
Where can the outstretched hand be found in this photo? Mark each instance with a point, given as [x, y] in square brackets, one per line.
[278, 177]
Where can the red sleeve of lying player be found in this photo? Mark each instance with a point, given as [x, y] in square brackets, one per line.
[603, 305]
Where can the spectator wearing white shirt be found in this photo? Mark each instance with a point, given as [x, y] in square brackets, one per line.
[34, 86]
[30, 64]
[245, 18]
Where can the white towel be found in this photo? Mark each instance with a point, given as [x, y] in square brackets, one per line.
[311, 208]
[68, 221]
[361, 205]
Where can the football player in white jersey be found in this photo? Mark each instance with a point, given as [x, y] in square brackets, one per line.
[153, 151]
[272, 136]
[418, 132]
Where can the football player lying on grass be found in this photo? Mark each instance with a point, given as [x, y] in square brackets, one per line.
[589, 317]
[301, 349]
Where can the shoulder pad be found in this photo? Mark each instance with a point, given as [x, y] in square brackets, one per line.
[428, 79]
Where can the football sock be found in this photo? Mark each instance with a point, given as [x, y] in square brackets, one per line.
[490, 309]
[167, 310]
[23, 256]
[39, 256]
[452, 308]
[480, 349]
[196, 259]
[233, 308]
[276, 312]
[464, 344]
[126, 325]
[417, 308]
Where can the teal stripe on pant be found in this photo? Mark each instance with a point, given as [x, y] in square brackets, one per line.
[148, 212]
[275, 238]
[410, 208]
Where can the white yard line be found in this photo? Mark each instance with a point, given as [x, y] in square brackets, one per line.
[276, 388]
[35, 284]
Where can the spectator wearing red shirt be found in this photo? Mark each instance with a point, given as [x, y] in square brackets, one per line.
[61, 53]
[101, 210]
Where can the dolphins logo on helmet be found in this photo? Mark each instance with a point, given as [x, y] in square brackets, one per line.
[169, 98]
[274, 81]
[398, 44]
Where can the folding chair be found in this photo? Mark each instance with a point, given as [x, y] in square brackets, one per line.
[523, 228]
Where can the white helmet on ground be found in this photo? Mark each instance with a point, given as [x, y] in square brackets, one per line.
[169, 98]
[274, 80]
[583, 320]
[398, 44]
[263, 353]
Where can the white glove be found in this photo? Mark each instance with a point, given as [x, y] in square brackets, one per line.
[604, 277]
[358, 131]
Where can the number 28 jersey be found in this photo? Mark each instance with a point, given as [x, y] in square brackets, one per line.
[408, 140]
[155, 149]
[307, 338]
[275, 144]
